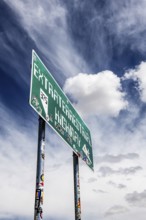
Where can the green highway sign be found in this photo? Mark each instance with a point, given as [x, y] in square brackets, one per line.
[50, 102]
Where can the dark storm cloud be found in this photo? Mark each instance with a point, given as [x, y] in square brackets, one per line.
[107, 171]
[116, 158]
[136, 199]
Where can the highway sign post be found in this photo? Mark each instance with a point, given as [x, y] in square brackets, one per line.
[39, 193]
[53, 106]
[77, 199]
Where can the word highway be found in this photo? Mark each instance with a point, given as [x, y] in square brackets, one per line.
[65, 114]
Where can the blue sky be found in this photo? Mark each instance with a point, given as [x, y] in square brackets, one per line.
[96, 52]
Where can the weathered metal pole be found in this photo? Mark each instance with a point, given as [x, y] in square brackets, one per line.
[76, 187]
[38, 212]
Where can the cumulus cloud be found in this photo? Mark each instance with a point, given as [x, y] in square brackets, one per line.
[138, 75]
[107, 171]
[115, 210]
[136, 199]
[116, 158]
[98, 94]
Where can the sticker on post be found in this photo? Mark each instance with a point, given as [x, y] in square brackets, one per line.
[86, 151]
[44, 100]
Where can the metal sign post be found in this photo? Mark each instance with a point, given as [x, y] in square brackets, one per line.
[76, 187]
[38, 213]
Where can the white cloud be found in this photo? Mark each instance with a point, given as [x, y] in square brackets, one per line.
[139, 75]
[137, 199]
[102, 95]
[6, 216]
[106, 171]
[20, 174]
[99, 191]
[115, 140]
[46, 23]
[127, 21]
[117, 185]
[97, 94]
[92, 179]
[18, 143]
[116, 210]
[116, 158]
[37, 17]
